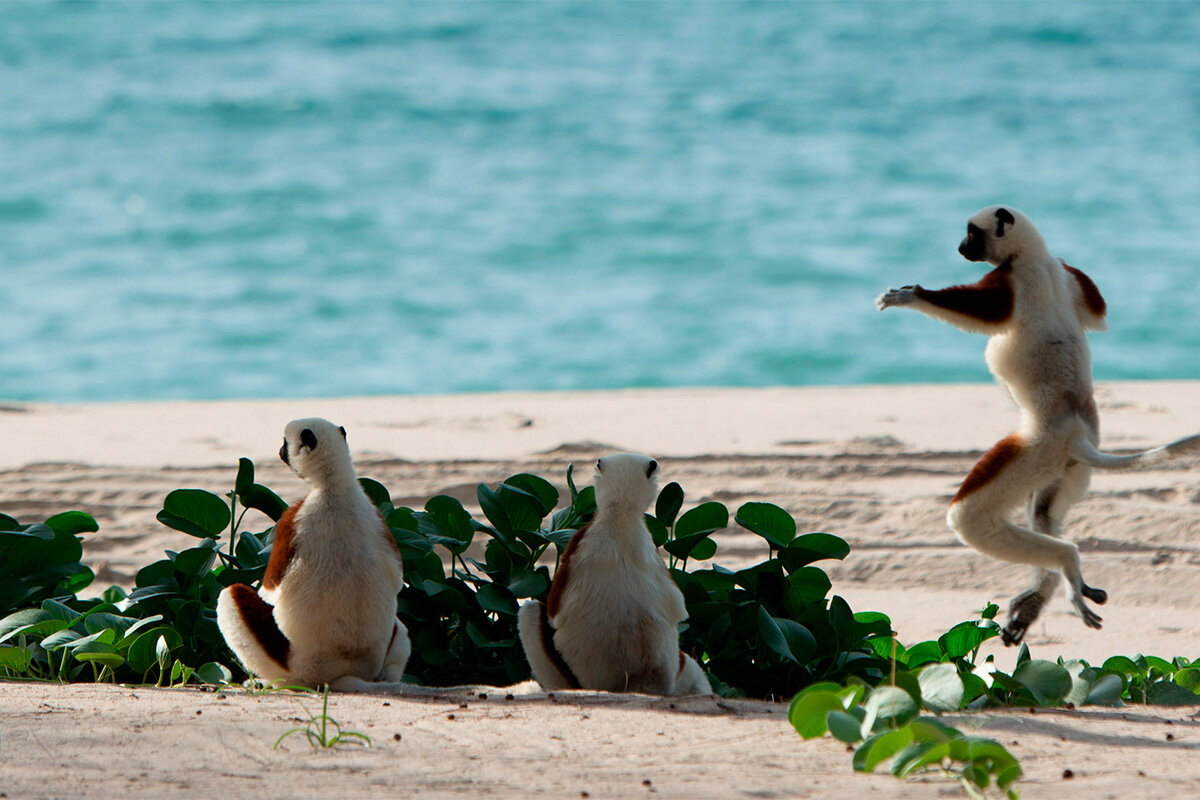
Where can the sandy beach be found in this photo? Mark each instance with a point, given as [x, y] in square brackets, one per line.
[874, 465]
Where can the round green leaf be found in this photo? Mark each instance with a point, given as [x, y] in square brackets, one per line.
[377, 493]
[195, 512]
[143, 652]
[214, 674]
[1106, 691]
[704, 550]
[941, 687]
[1121, 665]
[889, 707]
[60, 639]
[771, 634]
[539, 488]
[1047, 681]
[684, 547]
[704, 518]
[1169, 693]
[16, 659]
[670, 500]
[1189, 678]
[963, 638]
[72, 522]
[800, 641]
[658, 532]
[844, 727]
[768, 521]
[444, 516]
[260, 498]
[100, 652]
[94, 623]
[530, 583]
[245, 475]
[808, 585]
[809, 712]
[810, 547]
[880, 748]
[496, 598]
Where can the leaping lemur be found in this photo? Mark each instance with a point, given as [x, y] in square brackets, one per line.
[1036, 309]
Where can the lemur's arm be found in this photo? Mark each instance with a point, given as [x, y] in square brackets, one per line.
[983, 307]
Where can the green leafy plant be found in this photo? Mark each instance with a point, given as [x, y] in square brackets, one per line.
[324, 731]
[764, 631]
[942, 675]
[884, 725]
[1033, 682]
[768, 630]
[41, 560]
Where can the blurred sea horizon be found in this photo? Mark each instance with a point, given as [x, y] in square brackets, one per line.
[217, 200]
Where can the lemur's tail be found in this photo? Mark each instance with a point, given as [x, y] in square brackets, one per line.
[1084, 451]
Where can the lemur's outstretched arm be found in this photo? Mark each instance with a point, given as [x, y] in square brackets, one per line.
[982, 307]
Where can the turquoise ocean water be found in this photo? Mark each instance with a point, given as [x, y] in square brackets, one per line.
[211, 200]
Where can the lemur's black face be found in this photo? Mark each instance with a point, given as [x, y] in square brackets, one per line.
[283, 453]
[974, 246]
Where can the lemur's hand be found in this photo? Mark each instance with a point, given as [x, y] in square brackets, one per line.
[903, 296]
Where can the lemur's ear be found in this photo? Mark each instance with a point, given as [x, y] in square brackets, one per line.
[343, 430]
[308, 439]
[1003, 217]
[651, 467]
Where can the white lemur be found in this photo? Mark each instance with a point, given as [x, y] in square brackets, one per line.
[611, 620]
[326, 612]
[1035, 308]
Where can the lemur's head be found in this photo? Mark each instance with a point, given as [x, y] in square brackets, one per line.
[998, 234]
[625, 482]
[316, 449]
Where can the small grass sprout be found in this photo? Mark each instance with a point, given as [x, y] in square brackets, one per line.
[324, 731]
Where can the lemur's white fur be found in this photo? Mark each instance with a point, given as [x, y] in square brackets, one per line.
[1035, 308]
[327, 610]
[611, 622]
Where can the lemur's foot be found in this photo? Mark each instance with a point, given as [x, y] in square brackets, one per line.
[1090, 618]
[1098, 596]
[903, 296]
[1022, 612]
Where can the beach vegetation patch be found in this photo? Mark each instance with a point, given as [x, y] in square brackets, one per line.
[768, 630]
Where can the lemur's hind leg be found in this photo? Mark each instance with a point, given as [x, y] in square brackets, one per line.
[691, 678]
[1027, 606]
[537, 639]
[1047, 508]
[978, 515]
[248, 624]
[392, 672]
[397, 655]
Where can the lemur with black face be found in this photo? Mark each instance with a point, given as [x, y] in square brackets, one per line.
[1036, 310]
[611, 621]
[326, 612]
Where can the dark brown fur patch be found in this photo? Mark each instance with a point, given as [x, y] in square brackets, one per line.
[563, 576]
[547, 631]
[1091, 295]
[283, 549]
[992, 464]
[259, 617]
[989, 300]
[682, 662]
